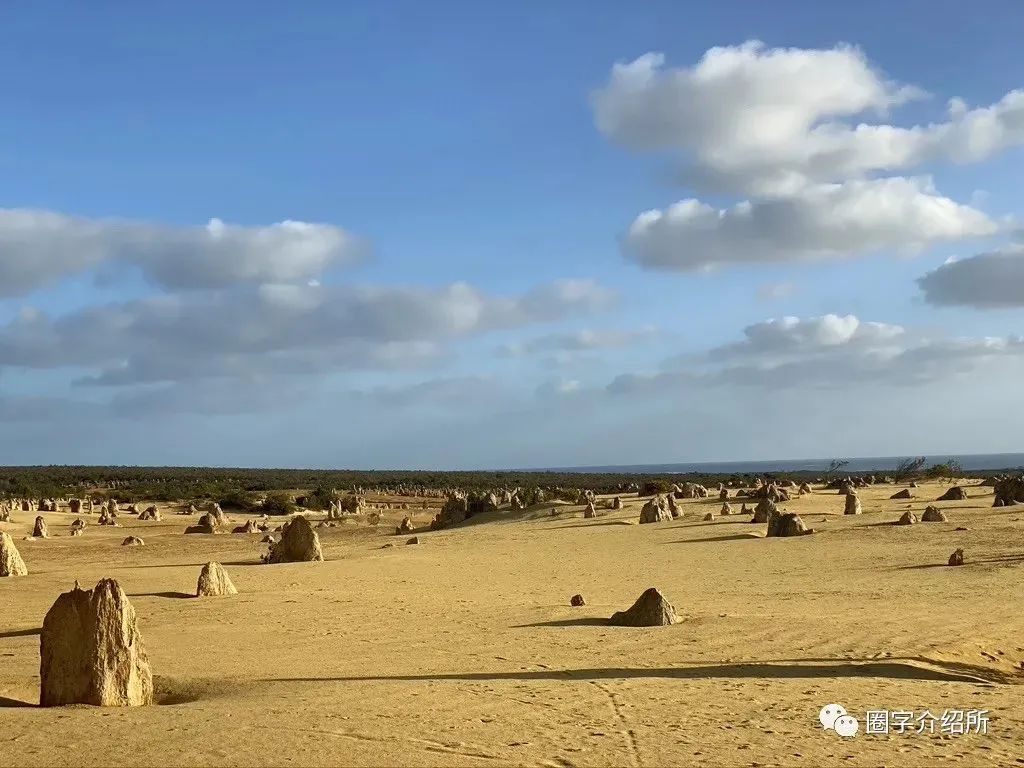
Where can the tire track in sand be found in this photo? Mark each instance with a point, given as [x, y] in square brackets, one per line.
[632, 747]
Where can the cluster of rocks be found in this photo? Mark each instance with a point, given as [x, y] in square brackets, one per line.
[1009, 491]
[347, 505]
[658, 510]
[454, 511]
[690, 491]
[771, 491]
[460, 506]
[846, 484]
[151, 513]
[956, 493]
[216, 521]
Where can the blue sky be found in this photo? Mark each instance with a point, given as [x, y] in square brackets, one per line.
[490, 147]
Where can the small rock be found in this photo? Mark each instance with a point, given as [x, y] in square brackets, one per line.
[907, 518]
[214, 581]
[650, 610]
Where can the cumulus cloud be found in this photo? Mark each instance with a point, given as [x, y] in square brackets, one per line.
[40, 247]
[770, 121]
[276, 328]
[986, 281]
[786, 334]
[819, 222]
[831, 351]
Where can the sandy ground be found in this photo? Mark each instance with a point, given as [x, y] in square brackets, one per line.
[463, 650]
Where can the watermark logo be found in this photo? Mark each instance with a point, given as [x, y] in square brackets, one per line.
[951, 722]
[834, 717]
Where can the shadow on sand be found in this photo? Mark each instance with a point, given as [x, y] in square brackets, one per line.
[175, 595]
[594, 621]
[20, 633]
[14, 703]
[751, 536]
[592, 524]
[196, 565]
[997, 560]
[764, 670]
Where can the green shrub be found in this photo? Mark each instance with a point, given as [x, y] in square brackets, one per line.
[652, 487]
[278, 504]
[320, 498]
[950, 468]
[235, 499]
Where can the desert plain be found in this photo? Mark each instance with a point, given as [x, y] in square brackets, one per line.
[463, 649]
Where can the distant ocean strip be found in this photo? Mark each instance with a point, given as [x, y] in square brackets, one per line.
[971, 462]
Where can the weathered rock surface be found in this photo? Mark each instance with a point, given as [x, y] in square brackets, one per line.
[299, 544]
[650, 610]
[214, 581]
[92, 652]
[11, 563]
[787, 524]
[956, 493]
[655, 511]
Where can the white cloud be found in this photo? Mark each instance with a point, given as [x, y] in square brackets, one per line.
[283, 329]
[763, 121]
[821, 222]
[986, 281]
[787, 334]
[40, 247]
[832, 351]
